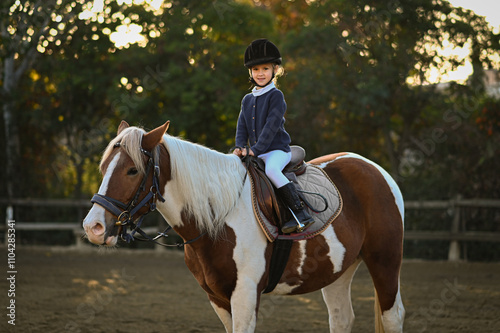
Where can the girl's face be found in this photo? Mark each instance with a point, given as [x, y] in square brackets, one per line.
[262, 74]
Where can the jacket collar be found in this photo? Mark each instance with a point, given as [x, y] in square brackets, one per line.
[259, 92]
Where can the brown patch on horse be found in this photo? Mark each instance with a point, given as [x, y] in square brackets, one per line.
[317, 270]
[211, 261]
[326, 158]
[165, 168]
[302, 276]
[317, 263]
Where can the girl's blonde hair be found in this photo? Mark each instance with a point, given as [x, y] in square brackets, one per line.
[279, 72]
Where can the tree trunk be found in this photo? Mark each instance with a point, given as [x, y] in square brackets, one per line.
[12, 146]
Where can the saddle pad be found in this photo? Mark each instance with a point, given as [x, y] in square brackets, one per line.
[313, 180]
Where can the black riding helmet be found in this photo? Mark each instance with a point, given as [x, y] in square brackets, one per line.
[261, 51]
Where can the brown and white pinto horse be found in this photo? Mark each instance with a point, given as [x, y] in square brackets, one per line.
[207, 193]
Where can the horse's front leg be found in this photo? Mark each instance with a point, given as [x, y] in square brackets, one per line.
[223, 310]
[249, 256]
[244, 302]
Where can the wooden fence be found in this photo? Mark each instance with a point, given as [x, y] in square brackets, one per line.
[456, 234]
[454, 206]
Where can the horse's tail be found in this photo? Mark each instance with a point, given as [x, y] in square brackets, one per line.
[379, 328]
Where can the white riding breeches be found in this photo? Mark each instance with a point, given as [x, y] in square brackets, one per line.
[276, 161]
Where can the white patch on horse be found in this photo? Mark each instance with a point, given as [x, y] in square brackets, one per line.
[109, 172]
[336, 249]
[172, 207]
[396, 192]
[97, 212]
[302, 253]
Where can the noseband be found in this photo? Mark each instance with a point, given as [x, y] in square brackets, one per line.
[125, 212]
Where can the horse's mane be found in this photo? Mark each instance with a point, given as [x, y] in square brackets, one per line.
[209, 183]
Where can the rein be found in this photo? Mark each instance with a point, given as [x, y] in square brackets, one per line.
[125, 212]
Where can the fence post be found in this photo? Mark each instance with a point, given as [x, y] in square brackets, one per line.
[79, 242]
[454, 250]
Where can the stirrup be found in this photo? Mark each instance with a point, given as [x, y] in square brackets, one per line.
[300, 226]
[289, 230]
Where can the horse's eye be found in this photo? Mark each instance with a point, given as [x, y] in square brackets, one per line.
[132, 172]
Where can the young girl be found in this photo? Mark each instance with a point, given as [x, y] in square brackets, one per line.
[261, 126]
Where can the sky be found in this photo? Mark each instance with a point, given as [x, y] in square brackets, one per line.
[488, 8]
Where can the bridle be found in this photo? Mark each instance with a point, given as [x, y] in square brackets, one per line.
[126, 211]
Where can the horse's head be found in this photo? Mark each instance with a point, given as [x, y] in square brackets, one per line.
[131, 183]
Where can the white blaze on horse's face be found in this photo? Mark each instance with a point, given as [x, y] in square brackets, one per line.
[95, 221]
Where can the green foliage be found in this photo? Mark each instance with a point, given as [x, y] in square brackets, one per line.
[356, 80]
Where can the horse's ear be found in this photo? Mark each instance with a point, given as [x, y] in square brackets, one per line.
[123, 125]
[151, 139]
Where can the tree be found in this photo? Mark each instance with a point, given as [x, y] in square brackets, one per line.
[191, 70]
[81, 85]
[26, 27]
[69, 99]
[348, 68]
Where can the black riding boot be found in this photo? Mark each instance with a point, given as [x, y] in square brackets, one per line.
[289, 195]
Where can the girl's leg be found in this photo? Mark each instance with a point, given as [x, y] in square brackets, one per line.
[275, 161]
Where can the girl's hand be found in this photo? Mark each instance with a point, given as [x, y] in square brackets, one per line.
[238, 152]
[242, 152]
[250, 152]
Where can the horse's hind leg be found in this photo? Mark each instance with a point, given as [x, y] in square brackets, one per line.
[337, 297]
[384, 267]
[389, 321]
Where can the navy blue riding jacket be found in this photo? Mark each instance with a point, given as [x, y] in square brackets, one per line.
[261, 123]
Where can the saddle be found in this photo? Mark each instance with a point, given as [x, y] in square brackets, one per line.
[264, 191]
[270, 212]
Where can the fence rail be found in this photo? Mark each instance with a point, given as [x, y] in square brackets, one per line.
[454, 235]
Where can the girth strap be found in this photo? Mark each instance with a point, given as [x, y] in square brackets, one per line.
[279, 259]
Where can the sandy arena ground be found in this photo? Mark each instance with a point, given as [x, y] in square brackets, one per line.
[146, 291]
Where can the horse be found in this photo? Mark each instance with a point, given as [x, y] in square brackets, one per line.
[206, 197]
